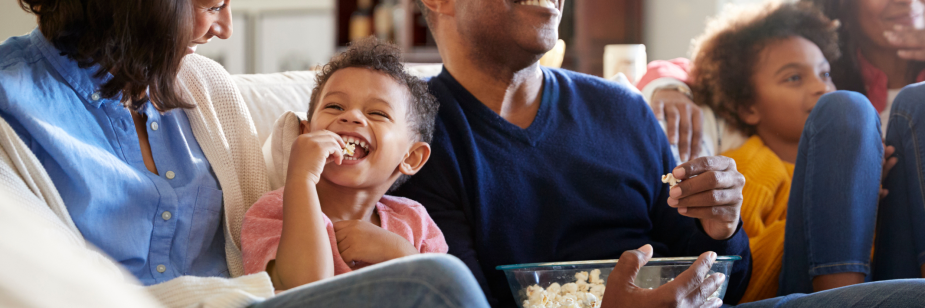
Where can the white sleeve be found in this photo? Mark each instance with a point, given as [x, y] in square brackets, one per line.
[650, 88]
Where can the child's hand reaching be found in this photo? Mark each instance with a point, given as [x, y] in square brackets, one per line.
[360, 241]
[311, 151]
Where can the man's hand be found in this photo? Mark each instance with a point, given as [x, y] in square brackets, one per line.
[311, 151]
[910, 41]
[710, 190]
[684, 121]
[360, 241]
[690, 289]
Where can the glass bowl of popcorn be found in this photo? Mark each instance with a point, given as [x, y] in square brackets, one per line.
[581, 284]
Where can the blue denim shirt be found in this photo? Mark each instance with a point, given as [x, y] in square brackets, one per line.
[159, 226]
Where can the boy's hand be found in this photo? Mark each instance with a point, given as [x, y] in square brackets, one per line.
[311, 151]
[360, 241]
[690, 289]
[711, 190]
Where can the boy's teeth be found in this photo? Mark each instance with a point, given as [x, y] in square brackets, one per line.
[363, 144]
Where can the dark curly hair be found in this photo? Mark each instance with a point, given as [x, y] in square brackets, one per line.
[846, 71]
[726, 54]
[141, 42]
[371, 53]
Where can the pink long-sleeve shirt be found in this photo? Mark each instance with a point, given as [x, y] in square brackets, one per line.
[263, 225]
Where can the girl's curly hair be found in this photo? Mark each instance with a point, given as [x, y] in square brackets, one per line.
[725, 56]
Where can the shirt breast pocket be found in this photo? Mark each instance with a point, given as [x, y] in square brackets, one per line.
[205, 228]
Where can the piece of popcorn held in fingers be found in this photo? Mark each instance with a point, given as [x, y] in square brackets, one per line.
[348, 150]
[670, 180]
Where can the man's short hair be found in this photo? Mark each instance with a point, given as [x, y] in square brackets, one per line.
[725, 56]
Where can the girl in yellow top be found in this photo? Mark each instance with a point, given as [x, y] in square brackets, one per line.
[767, 72]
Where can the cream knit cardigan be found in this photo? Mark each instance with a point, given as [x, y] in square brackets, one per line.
[223, 127]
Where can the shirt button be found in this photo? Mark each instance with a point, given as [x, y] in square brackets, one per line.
[95, 96]
[161, 268]
[170, 175]
[165, 215]
[154, 126]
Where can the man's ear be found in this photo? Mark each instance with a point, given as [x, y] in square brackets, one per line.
[441, 7]
[415, 159]
[750, 115]
[304, 127]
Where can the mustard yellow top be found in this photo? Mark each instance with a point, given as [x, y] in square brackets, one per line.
[764, 213]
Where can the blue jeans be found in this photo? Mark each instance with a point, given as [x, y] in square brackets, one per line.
[429, 280]
[900, 244]
[832, 210]
[893, 293]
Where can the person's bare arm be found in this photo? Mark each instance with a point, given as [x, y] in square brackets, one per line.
[304, 253]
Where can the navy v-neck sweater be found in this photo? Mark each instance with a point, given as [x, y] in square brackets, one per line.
[582, 182]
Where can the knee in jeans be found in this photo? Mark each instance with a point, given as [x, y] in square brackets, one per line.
[908, 101]
[439, 265]
[845, 112]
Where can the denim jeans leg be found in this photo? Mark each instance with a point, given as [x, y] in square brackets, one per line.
[893, 293]
[428, 280]
[900, 242]
[832, 208]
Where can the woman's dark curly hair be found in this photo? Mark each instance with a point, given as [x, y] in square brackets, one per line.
[371, 53]
[141, 42]
[846, 71]
[726, 54]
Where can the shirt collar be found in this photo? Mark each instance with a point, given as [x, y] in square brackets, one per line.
[80, 79]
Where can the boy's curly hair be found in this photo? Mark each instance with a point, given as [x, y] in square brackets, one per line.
[370, 53]
[725, 56]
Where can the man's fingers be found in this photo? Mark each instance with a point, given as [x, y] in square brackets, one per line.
[671, 120]
[707, 288]
[684, 131]
[713, 303]
[711, 180]
[703, 164]
[691, 279]
[728, 214]
[696, 131]
[709, 198]
[624, 273]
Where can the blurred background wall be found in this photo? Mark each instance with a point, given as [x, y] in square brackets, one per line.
[279, 35]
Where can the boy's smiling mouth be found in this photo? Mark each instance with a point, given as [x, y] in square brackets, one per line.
[359, 144]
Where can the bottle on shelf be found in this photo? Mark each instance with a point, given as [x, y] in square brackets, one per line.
[383, 20]
[361, 22]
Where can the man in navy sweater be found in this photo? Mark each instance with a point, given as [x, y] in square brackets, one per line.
[534, 164]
